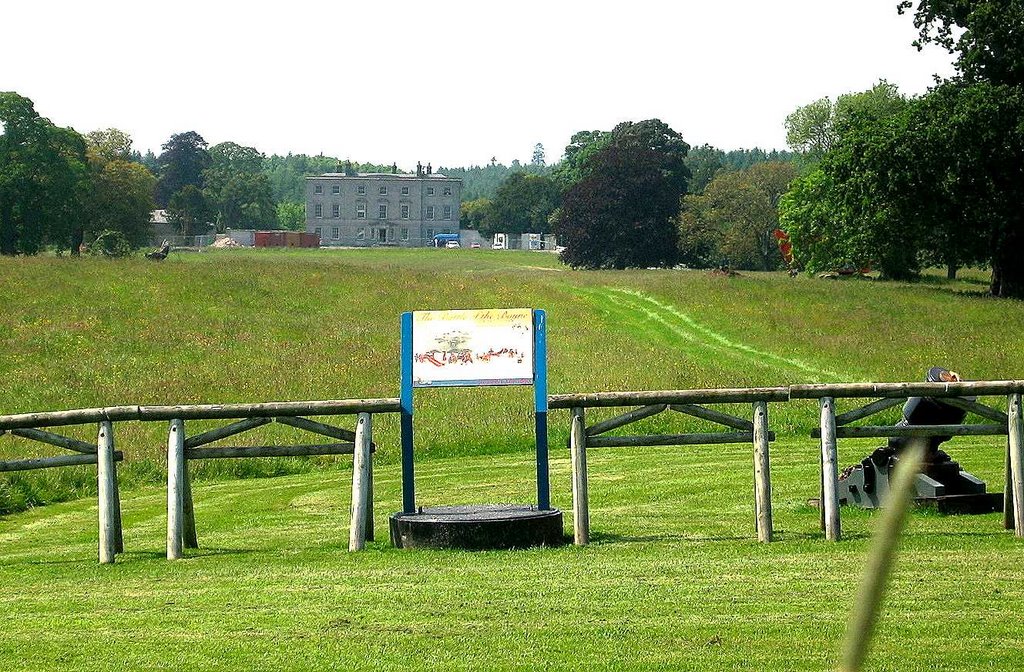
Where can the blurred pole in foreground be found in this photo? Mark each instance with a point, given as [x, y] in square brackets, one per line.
[881, 556]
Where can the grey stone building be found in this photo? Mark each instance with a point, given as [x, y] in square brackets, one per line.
[365, 209]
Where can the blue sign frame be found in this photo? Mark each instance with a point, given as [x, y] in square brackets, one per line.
[540, 401]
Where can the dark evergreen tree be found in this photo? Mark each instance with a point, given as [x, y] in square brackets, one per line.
[181, 164]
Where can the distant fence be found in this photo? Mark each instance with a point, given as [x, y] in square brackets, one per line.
[737, 429]
[734, 428]
[181, 527]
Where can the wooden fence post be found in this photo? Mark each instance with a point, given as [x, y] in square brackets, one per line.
[369, 487]
[1015, 440]
[829, 470]
[175, 488]
[188, 512]
[105, 485]
[1008, 489]
[762, 473]
[580, 494]
[360, 483]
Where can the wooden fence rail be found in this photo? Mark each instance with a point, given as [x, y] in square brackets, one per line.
[181, 527]
[832, 426]
[688, 402]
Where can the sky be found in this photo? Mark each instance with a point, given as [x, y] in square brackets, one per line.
[450, 83]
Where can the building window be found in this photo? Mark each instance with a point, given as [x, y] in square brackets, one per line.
[430, 191]
[430, 234]
[360, 210]
[405, 234]
[430, 212]
[361, 189]
[335, 211]
[318, 210]
[382, 211]
[447, 191]
[318, 231]
[335, 232]
[391, 233]
[383, 190]
[360, 233]
[447, 212]
[335, 189]
[318, 188]
[405, 211]
[405, 191]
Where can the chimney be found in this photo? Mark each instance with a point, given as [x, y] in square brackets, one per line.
[419, 169]
[394, 168]
[429, 169]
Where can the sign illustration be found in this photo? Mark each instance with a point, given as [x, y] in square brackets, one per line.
[472, 347]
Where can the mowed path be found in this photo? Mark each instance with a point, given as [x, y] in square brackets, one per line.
[698, 339]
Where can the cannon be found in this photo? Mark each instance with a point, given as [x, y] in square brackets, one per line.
[941, 483]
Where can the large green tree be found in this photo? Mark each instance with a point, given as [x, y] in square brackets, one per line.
[182, 163]
[621, 213]
[43, 177]
[850, 212]
[986, 35]
[814, 129]
[522, 204]
[237, 190]
[733, 220]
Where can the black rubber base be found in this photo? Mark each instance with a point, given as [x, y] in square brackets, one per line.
[477, 527]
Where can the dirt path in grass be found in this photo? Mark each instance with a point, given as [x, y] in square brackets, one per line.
[700, 340]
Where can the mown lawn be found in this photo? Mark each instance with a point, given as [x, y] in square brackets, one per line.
[673, 580]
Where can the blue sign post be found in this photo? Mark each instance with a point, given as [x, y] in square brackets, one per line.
[469, 348]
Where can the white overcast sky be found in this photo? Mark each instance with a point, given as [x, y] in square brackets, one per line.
[452, 83]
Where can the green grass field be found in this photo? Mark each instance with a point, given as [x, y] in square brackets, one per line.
[674, 579]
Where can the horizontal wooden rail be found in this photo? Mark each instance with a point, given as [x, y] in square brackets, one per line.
[721, 396]
[882, 431]
[672, 439]
[269, 451]
[962, 389]
[199, 412]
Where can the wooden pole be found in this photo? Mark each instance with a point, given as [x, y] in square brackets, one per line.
[1015, 439]
[1008, 489]
[119, 528]
[360, 484]
[175, 486]
[369, 492]
[580, 494]
[105, 486]
[829, 470]
[762, 473]
[188, 513]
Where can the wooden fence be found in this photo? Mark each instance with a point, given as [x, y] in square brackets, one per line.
[689, 402]
[181, 527]
[756, 432]
[834, 427]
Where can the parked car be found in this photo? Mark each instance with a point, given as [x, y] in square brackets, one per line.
[474, 246]
[452, 244]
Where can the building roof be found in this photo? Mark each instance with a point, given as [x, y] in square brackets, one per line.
[390, 176]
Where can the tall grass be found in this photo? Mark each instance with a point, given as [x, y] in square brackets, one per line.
[258, 325]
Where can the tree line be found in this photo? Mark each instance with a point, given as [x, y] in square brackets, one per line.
[876, 180]
[899, 183]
